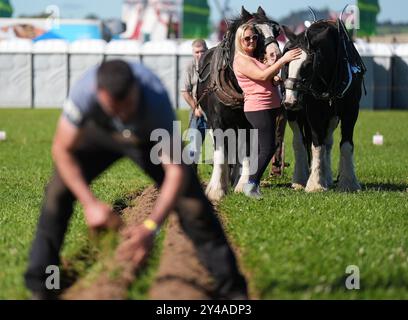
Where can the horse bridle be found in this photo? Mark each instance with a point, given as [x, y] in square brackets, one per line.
[306, 85]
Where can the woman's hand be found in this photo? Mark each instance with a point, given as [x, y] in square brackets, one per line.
[291, 55]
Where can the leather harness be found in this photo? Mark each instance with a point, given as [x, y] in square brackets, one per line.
[337, 87]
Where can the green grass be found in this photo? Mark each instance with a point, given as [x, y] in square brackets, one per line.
[297, 246]
[292, 244]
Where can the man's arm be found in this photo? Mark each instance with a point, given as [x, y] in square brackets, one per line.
[65, 140]
[188, 87]
[192, 103]
[97, 213]
[187, 92]
[169, 192]
[189, 99]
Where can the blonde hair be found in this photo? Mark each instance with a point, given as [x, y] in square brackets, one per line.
[240, 34]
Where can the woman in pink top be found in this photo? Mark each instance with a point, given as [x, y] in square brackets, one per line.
[262, 100]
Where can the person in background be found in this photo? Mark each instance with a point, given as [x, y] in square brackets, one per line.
[272, 54]
[261, 98]
[189, 91]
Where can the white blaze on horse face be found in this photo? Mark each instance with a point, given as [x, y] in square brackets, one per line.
[294, 68]
[267, 32]
[265, 29]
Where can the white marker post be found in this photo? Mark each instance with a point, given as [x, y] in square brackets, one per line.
[378, 139]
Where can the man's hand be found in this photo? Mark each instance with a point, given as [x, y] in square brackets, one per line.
[198, 112]
[138, 242]
[99, 215]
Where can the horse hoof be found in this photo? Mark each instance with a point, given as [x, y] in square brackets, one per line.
[315, 188]
[215, 195]
[297, 186]
[348, 186]
[239, 188]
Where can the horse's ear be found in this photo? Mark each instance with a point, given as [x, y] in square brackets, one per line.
[261, 11]
[245, 14]
[289, 33]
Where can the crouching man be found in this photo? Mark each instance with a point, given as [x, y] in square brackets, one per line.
[110, 113]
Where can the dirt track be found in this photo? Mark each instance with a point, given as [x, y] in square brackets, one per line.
[113, 281]
[180, 275]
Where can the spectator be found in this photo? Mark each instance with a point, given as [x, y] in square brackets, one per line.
[197, 116]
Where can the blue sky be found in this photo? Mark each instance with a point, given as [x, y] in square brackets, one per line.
[394, 10]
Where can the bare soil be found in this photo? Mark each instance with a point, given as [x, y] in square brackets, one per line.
[180, 275]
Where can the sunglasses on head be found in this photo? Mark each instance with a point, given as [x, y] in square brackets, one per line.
[254, 37]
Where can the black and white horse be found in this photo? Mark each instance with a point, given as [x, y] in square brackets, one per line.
[220, 96]
[322, 89]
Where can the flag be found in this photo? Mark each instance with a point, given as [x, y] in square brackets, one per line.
[196, 14]
[6, 10]
[369, 9]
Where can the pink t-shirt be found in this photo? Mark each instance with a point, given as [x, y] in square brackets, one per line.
[258, 95]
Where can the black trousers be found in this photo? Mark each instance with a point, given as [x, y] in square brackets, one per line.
[281, 120]
[265, 122]
[96, 153]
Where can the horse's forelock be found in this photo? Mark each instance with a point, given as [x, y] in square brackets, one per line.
[317, 31]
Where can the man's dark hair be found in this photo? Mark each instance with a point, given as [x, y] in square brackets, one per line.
[116, 77]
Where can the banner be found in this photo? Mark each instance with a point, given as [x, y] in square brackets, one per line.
[6, 10]
[369, 9]
[196, 15]
[40, 29]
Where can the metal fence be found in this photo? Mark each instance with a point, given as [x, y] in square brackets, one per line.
[40, 75]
